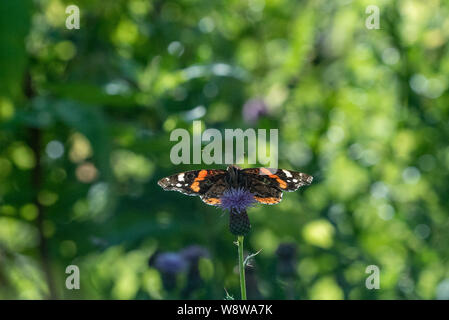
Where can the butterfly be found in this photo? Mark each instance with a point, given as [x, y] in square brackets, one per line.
[266, 184]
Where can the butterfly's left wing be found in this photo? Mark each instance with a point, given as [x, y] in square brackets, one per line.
[193, 183]
[268, 184]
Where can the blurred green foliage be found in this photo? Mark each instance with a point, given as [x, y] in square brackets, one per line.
[85, 119]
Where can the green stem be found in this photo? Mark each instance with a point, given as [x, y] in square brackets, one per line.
[241, 268]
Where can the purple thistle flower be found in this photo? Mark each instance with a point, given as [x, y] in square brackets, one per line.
[237, 200]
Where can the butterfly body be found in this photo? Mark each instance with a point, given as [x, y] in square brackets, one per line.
[266, 184]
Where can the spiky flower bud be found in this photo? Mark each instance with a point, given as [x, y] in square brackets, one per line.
[239, 224]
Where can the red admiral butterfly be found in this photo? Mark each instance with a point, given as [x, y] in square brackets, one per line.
[265, 184]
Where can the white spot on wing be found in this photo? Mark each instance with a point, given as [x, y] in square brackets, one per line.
[179, 185]
[287, 173]
[181, 177]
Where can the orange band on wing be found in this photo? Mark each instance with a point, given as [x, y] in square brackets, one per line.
[281, 182]
[270, 200]
[212, 201]
[265, 171]
[196, 183]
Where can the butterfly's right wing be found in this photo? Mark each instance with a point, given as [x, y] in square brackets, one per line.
[268, 184]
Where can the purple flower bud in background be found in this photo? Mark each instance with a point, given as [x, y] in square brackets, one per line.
[170, 262]
[253, 109]
[237, 200]
[286, 265]
[193, 253]
[252, 282]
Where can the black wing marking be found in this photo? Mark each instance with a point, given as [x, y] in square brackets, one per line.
[213, 195]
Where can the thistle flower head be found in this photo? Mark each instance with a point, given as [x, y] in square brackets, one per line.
[237, 200]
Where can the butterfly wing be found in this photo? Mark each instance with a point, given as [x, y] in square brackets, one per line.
[267, 184]
[263, 191]
[285, 180]
[192, 183]
[213, 195]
